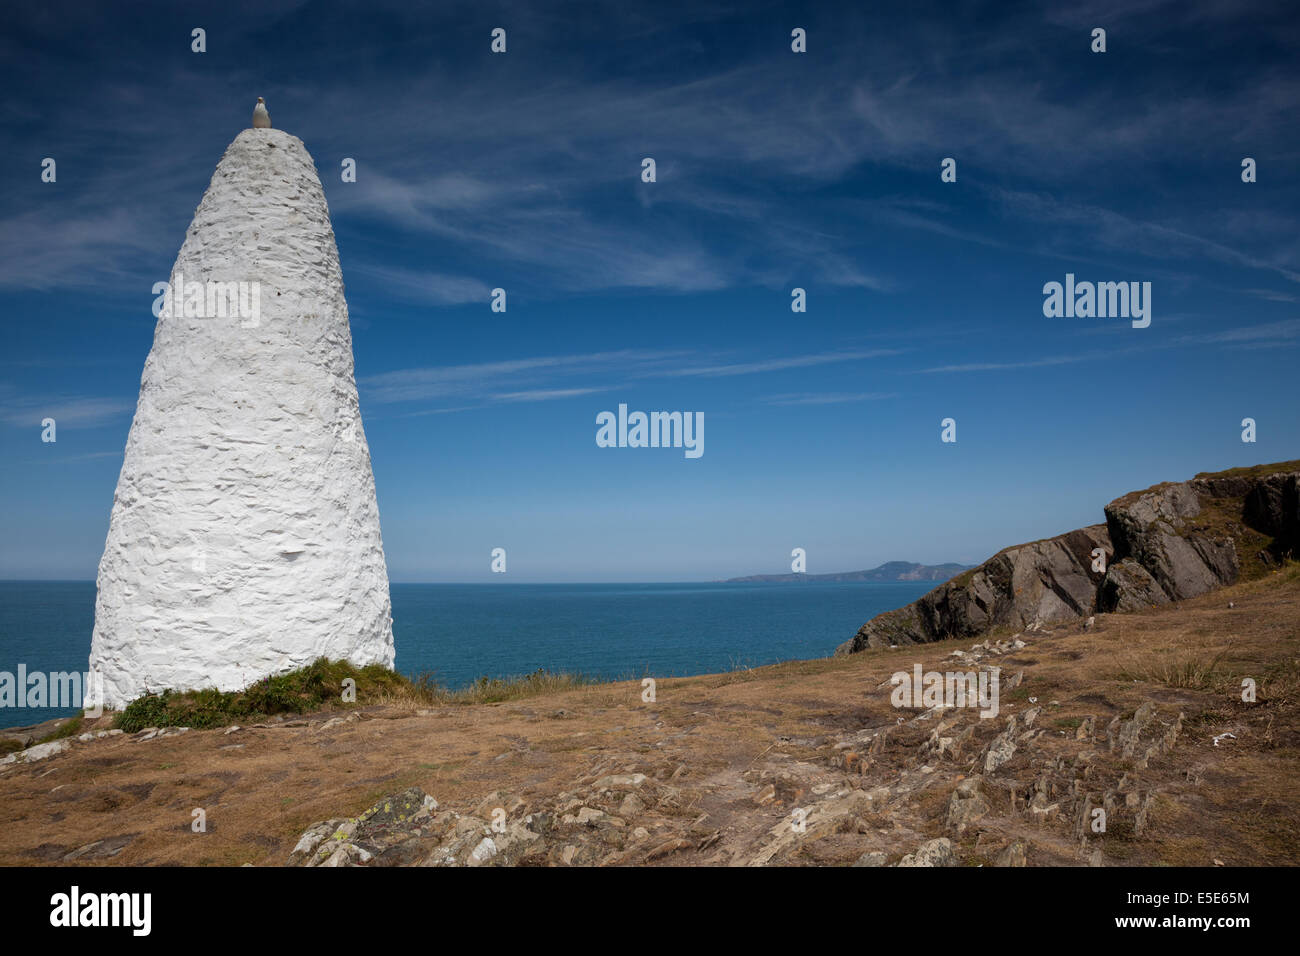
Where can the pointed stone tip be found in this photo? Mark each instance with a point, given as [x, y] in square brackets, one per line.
[266, 137]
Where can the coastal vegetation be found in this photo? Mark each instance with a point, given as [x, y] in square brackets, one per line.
[322, 685]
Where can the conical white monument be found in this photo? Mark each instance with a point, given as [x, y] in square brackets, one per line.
[244, 539]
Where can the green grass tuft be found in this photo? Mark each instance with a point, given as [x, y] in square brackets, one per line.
[319, 686]
[66, 729]
[314, 687]
[492, 690]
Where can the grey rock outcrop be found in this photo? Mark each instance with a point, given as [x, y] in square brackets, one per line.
[1156, 530]
[1129, 587]
[1037, 583]
[1272, 506]
[931, 853]
[1167, 543]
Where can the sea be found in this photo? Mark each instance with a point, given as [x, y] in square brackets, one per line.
[461, 632]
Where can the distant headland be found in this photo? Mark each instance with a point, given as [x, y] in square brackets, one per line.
[889, 571]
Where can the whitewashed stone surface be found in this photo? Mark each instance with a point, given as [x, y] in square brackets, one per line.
[244, 539]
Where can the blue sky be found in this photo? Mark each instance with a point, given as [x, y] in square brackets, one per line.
[775, 170]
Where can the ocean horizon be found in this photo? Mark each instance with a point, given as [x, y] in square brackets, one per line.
[461, 632]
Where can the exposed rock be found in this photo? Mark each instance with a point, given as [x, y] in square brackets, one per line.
[874, 858]
[1124, 734]
[1013, 855]
[1168, 543]
[786, 809]
[588, 816]
[1272, 506]
[1041, 810]
[902, 625]
[1129, 587]
[1002, 749]
[632, 806]
[101, 849]
[668, 848]
[813, 823]
[329, 724]
[311, 838]
[39, 752]
[966, 805]
[484, 851]
[378, 834]
[1155, 529]
[1019, 587]
[348, 854]
[931, 853]
[22, 738]
[1143, 737]
[623, 781]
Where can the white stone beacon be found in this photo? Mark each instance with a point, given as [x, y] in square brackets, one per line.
[244, 539]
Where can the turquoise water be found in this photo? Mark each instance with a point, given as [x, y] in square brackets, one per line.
[460, 632]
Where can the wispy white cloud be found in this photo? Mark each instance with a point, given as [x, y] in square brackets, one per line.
[550, 377]
[486, 380]
[545, 394]
[1272, 295]
[1007, 366]
[828, 398]
[1116, 232]
[1275, 332]
[779, 364]
[1263, 335]
[66, 412]
[435, 288]
[47, 249]
[56, 460]
[542, 180]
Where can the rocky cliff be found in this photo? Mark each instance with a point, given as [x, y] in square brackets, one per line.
[1167, 543]
[244, 538]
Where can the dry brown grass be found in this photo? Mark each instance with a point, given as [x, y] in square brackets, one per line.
[423, 691]
[1235, 800]
[1184, 670]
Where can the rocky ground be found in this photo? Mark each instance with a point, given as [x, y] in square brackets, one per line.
[1136, 715]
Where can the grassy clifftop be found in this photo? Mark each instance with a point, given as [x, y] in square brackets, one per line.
[323, 685]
